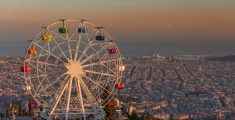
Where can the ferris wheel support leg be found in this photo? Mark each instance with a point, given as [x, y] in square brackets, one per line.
[81, 99]
[68, 99]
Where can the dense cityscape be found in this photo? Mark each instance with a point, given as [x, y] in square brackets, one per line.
[167, 87]
[117, 60]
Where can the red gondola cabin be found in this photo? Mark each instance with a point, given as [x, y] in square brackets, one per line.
[119, 86]
[113, 51]
[25, 69]
[112, 104]
[33, 105]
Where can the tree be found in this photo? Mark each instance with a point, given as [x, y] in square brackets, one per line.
[110, 112]
[134, 116]
[148, 117]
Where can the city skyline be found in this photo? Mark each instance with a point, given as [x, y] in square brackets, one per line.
[157, 25]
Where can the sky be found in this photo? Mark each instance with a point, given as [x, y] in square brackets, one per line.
[139, 26]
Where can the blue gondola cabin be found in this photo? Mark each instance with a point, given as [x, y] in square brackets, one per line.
[81, 30]
[100, 38]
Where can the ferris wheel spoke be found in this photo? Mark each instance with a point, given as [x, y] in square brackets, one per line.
[98, 43]
[95, 83]
[89, 45]
[38, 76]
[35, 57]
[48, 47]
[70, 50]
[68, 97]
[101, 73]
[58, 98]
[109, 69]
[44, 63]
[68, 42]
[49, 64]
[89, 95]
[93, 55]
[75, 31]
[101, 62]
[77, 91]
[37, 68]
[40, 55]
[39, 80]
[60, 48]
[49, 53]
[32, 83]
[54, 82]
[77, 47]
[56, 34]
[87, 91]
[81, 98]
[84, 51]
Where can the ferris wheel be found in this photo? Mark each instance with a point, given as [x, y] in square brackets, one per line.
[73, 69]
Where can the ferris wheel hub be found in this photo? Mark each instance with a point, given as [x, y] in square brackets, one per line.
[74, 69]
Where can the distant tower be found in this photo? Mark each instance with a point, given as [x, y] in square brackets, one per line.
[130, 110]
[200, 68]
[153, 54]
[2, 61]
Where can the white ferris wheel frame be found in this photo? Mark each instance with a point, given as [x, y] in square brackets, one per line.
[99, 74]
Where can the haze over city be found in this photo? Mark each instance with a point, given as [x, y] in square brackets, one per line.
[138, 26]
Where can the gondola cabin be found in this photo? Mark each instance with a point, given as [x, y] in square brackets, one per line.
[46, 38]
[119, 86]
[100, 38]
[121, 68]
[33, 105]
[63, 30]
[32, 51]
[81, 30]
[113, 103]
[25, 69]
[113, 51]
[28, 88]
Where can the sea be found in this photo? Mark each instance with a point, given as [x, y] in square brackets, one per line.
[139, 48]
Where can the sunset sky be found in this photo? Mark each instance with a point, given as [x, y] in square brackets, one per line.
[161, 24]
